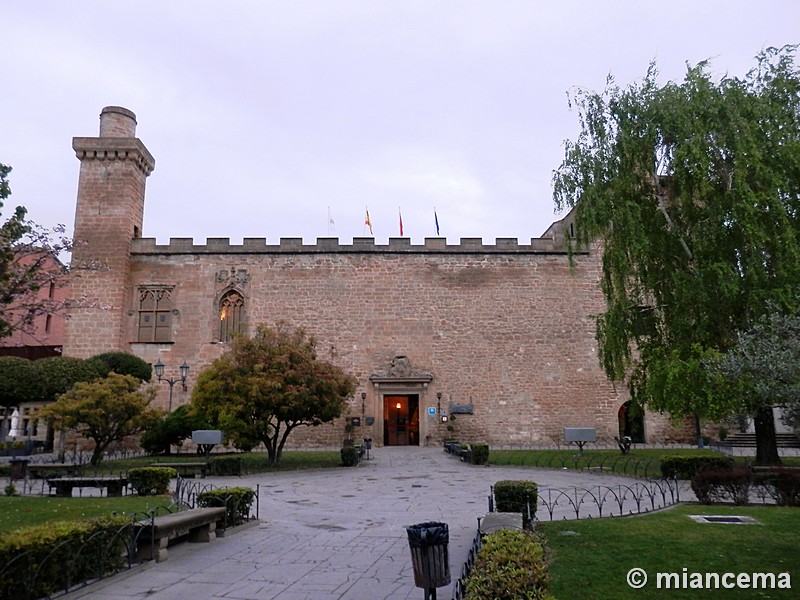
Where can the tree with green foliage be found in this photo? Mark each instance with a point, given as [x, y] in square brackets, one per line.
[172, 430]
[29, 261]
[692, 191]
[105, 411]
[763, 368]
[123, 363]
[19, 381]
[58, 374]
[268, 385]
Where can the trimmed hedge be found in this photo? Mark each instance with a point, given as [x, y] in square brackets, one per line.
[56, 555]
[686, 467]
[734, 486]
[151, 481]
[480, 454]
[349, 456]
[237, 502]
[782, 485]
[510, 565]
[720, 486]
[514, 496]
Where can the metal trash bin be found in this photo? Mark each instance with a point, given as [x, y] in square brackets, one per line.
[18, 468]
[428, 543]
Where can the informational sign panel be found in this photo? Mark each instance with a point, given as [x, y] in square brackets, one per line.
[207, 436]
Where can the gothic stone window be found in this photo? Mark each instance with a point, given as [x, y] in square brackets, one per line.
[231, 316]
[155, 315]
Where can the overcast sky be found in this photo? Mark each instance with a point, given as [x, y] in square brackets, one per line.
[265, 116]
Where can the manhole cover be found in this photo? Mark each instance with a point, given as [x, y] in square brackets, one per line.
[726, 519]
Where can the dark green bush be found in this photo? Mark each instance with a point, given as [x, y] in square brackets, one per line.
[349, 456]
[123, 363]
[686, 467]
[510, 565]
[151, 481]
[732, 485]
[480, 454]
[226, 465]
[516, 496]
[237, 502]
[172, 430]
[782, 485]
[61, 554]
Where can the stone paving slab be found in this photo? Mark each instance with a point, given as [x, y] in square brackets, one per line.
[338, 534]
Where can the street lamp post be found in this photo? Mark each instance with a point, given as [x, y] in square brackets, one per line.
[184, 371]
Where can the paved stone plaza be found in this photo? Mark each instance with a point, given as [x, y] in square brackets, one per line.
[336, 534]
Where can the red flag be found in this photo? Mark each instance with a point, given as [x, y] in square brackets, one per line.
[368, 223]
[401, 222]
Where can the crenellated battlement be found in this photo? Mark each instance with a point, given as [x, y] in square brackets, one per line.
[363, 245]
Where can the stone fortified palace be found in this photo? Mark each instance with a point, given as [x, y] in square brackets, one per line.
[501, 336]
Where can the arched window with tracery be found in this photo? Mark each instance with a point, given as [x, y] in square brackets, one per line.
[231, 316]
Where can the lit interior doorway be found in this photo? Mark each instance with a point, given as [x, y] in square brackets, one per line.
[401, 420]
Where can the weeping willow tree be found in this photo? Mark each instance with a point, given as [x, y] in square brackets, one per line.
[692, 190]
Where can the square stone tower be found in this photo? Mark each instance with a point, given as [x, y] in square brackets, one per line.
[109, 214]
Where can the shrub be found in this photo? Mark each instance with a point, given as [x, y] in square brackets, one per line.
[516, 496]
[349, 456]
[782, 485]
[172, 430]
[480, 454]
[509, 565]
[237, 502]
[123, 363]
[61, 554]
[719, 486]
[226, 465]
[151, 481]
[686, 467]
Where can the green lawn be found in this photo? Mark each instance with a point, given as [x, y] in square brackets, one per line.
[591, 558]
[640, 462]
[21, 511]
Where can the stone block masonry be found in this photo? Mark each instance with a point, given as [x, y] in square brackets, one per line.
[507, 327]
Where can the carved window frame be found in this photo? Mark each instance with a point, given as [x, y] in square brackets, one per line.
[155, 307]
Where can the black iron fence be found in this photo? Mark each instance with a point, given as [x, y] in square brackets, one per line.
[459, 588]
[103, 554]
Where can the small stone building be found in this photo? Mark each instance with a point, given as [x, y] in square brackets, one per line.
[499, 335]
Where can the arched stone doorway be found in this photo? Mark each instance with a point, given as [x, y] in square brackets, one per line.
[631, 422]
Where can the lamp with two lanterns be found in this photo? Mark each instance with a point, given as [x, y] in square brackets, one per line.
[184, 373]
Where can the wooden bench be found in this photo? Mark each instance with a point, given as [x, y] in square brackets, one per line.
[154, 535]
[456, 449]
[113, 484]
[185, 468]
